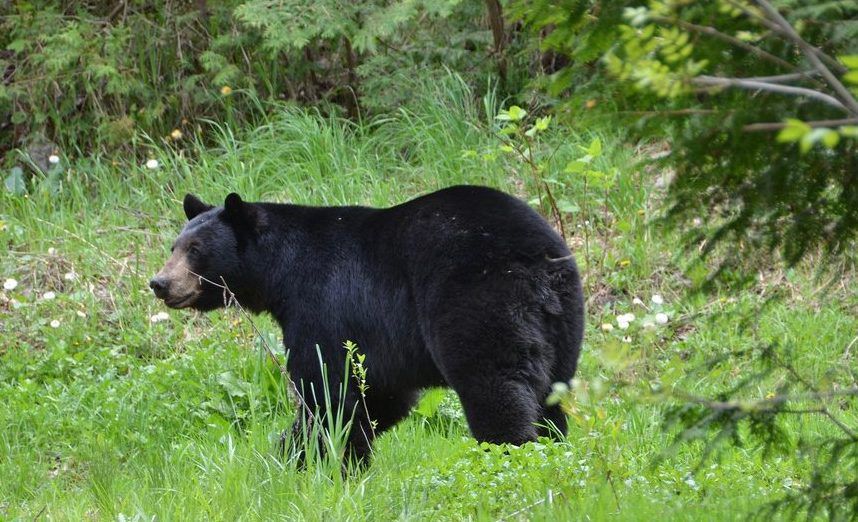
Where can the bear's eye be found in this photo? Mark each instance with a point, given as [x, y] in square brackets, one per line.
[193, 250]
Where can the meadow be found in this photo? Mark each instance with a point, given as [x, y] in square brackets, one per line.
[114, 408]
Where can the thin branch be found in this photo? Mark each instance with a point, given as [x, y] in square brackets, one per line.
[810, 52]
[742, 83]
[809, 411]
[765, 127]
[229, 299]
[824, 409]
[834, 64]
[711, 31]
[676, 112]
[785, 78]
[767, 404]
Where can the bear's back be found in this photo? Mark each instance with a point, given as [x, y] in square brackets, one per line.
[470, 229]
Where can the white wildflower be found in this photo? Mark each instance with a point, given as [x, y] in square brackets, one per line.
[53, 159]
[661, 318]
[657, 299]
[607, 327]
[70, 276]
[637, 301]
[81, 314]
[160, 316]
[55, 324]
[47, 296]
[52, 251]
[622, 324]
[152, 164]
[627, 339]
[10, 284]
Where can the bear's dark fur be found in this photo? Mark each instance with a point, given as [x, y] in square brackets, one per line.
[466, 287]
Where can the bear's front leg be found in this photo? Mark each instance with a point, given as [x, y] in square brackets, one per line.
[344, 425]
[295, 439]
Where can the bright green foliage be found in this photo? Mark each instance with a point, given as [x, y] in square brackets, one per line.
[758, 146]
[83, 77]
[294, 24]
[778, 198]
[764, 194]
[87, 77]
[573, 35]
[113, 408]
[120, 413]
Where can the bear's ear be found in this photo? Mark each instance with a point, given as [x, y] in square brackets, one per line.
[194, 207]
[240, 213]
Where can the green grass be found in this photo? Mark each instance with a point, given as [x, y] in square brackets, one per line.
[112, 416]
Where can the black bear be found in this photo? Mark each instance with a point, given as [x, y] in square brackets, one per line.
[466, 287]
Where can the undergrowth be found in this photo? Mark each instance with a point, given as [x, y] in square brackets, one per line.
[114, 408]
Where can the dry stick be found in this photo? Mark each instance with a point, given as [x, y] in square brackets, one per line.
[744, 83]
[810, 52]
[849, 348]
[229, 298]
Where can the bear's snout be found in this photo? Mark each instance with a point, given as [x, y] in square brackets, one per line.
[159, 285]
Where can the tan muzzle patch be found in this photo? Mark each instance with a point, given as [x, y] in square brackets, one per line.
[182, 287]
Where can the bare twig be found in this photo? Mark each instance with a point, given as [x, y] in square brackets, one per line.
[834, 64]
[846, 352]
[763, 127]
[742, 83]
[229, 299]
[711, 31]
[767, 404]
[823, 409]
[675, 112]
[809, 51]
[785, 78]
[82, 240]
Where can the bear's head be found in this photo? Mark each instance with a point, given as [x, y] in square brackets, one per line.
[209, 263]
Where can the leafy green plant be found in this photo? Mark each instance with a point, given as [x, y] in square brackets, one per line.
[82, 77]
[522, 140]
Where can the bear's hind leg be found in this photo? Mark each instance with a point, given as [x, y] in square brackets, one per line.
[488, 338]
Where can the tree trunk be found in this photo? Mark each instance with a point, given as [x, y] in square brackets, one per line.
[351, 97]
[498, 35]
